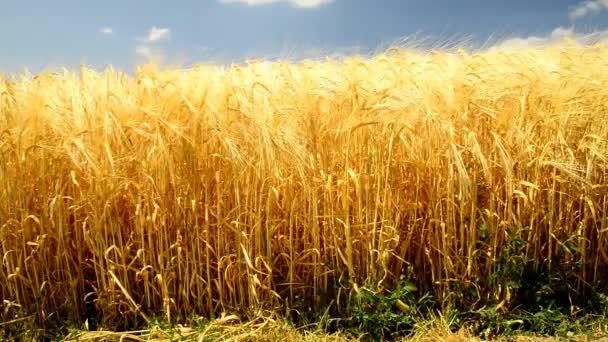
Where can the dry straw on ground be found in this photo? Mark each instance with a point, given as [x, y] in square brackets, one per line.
[278, 187]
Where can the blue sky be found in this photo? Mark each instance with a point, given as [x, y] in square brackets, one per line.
[48, 34]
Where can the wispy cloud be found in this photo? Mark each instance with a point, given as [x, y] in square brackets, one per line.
[157, 34]
[294, 3]
[143, 51]
[148, 48]
[589, 7]
[560, 34]
[149, 53]
[106, 30]
[556, 36]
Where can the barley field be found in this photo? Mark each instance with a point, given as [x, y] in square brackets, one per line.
[284, 187]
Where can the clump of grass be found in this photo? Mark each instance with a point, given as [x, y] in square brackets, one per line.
[380, 316]
[275, 187]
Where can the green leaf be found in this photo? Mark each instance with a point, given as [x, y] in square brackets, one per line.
[409, 287]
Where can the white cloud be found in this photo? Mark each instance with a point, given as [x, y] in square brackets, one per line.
[556, 36]
[150, 53]
[106, 30]
[157, 34]
[144, 51]
[585, 8]
[294, 3]
[148, 48]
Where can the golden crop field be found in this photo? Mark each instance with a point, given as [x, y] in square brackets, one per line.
[283, 187]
